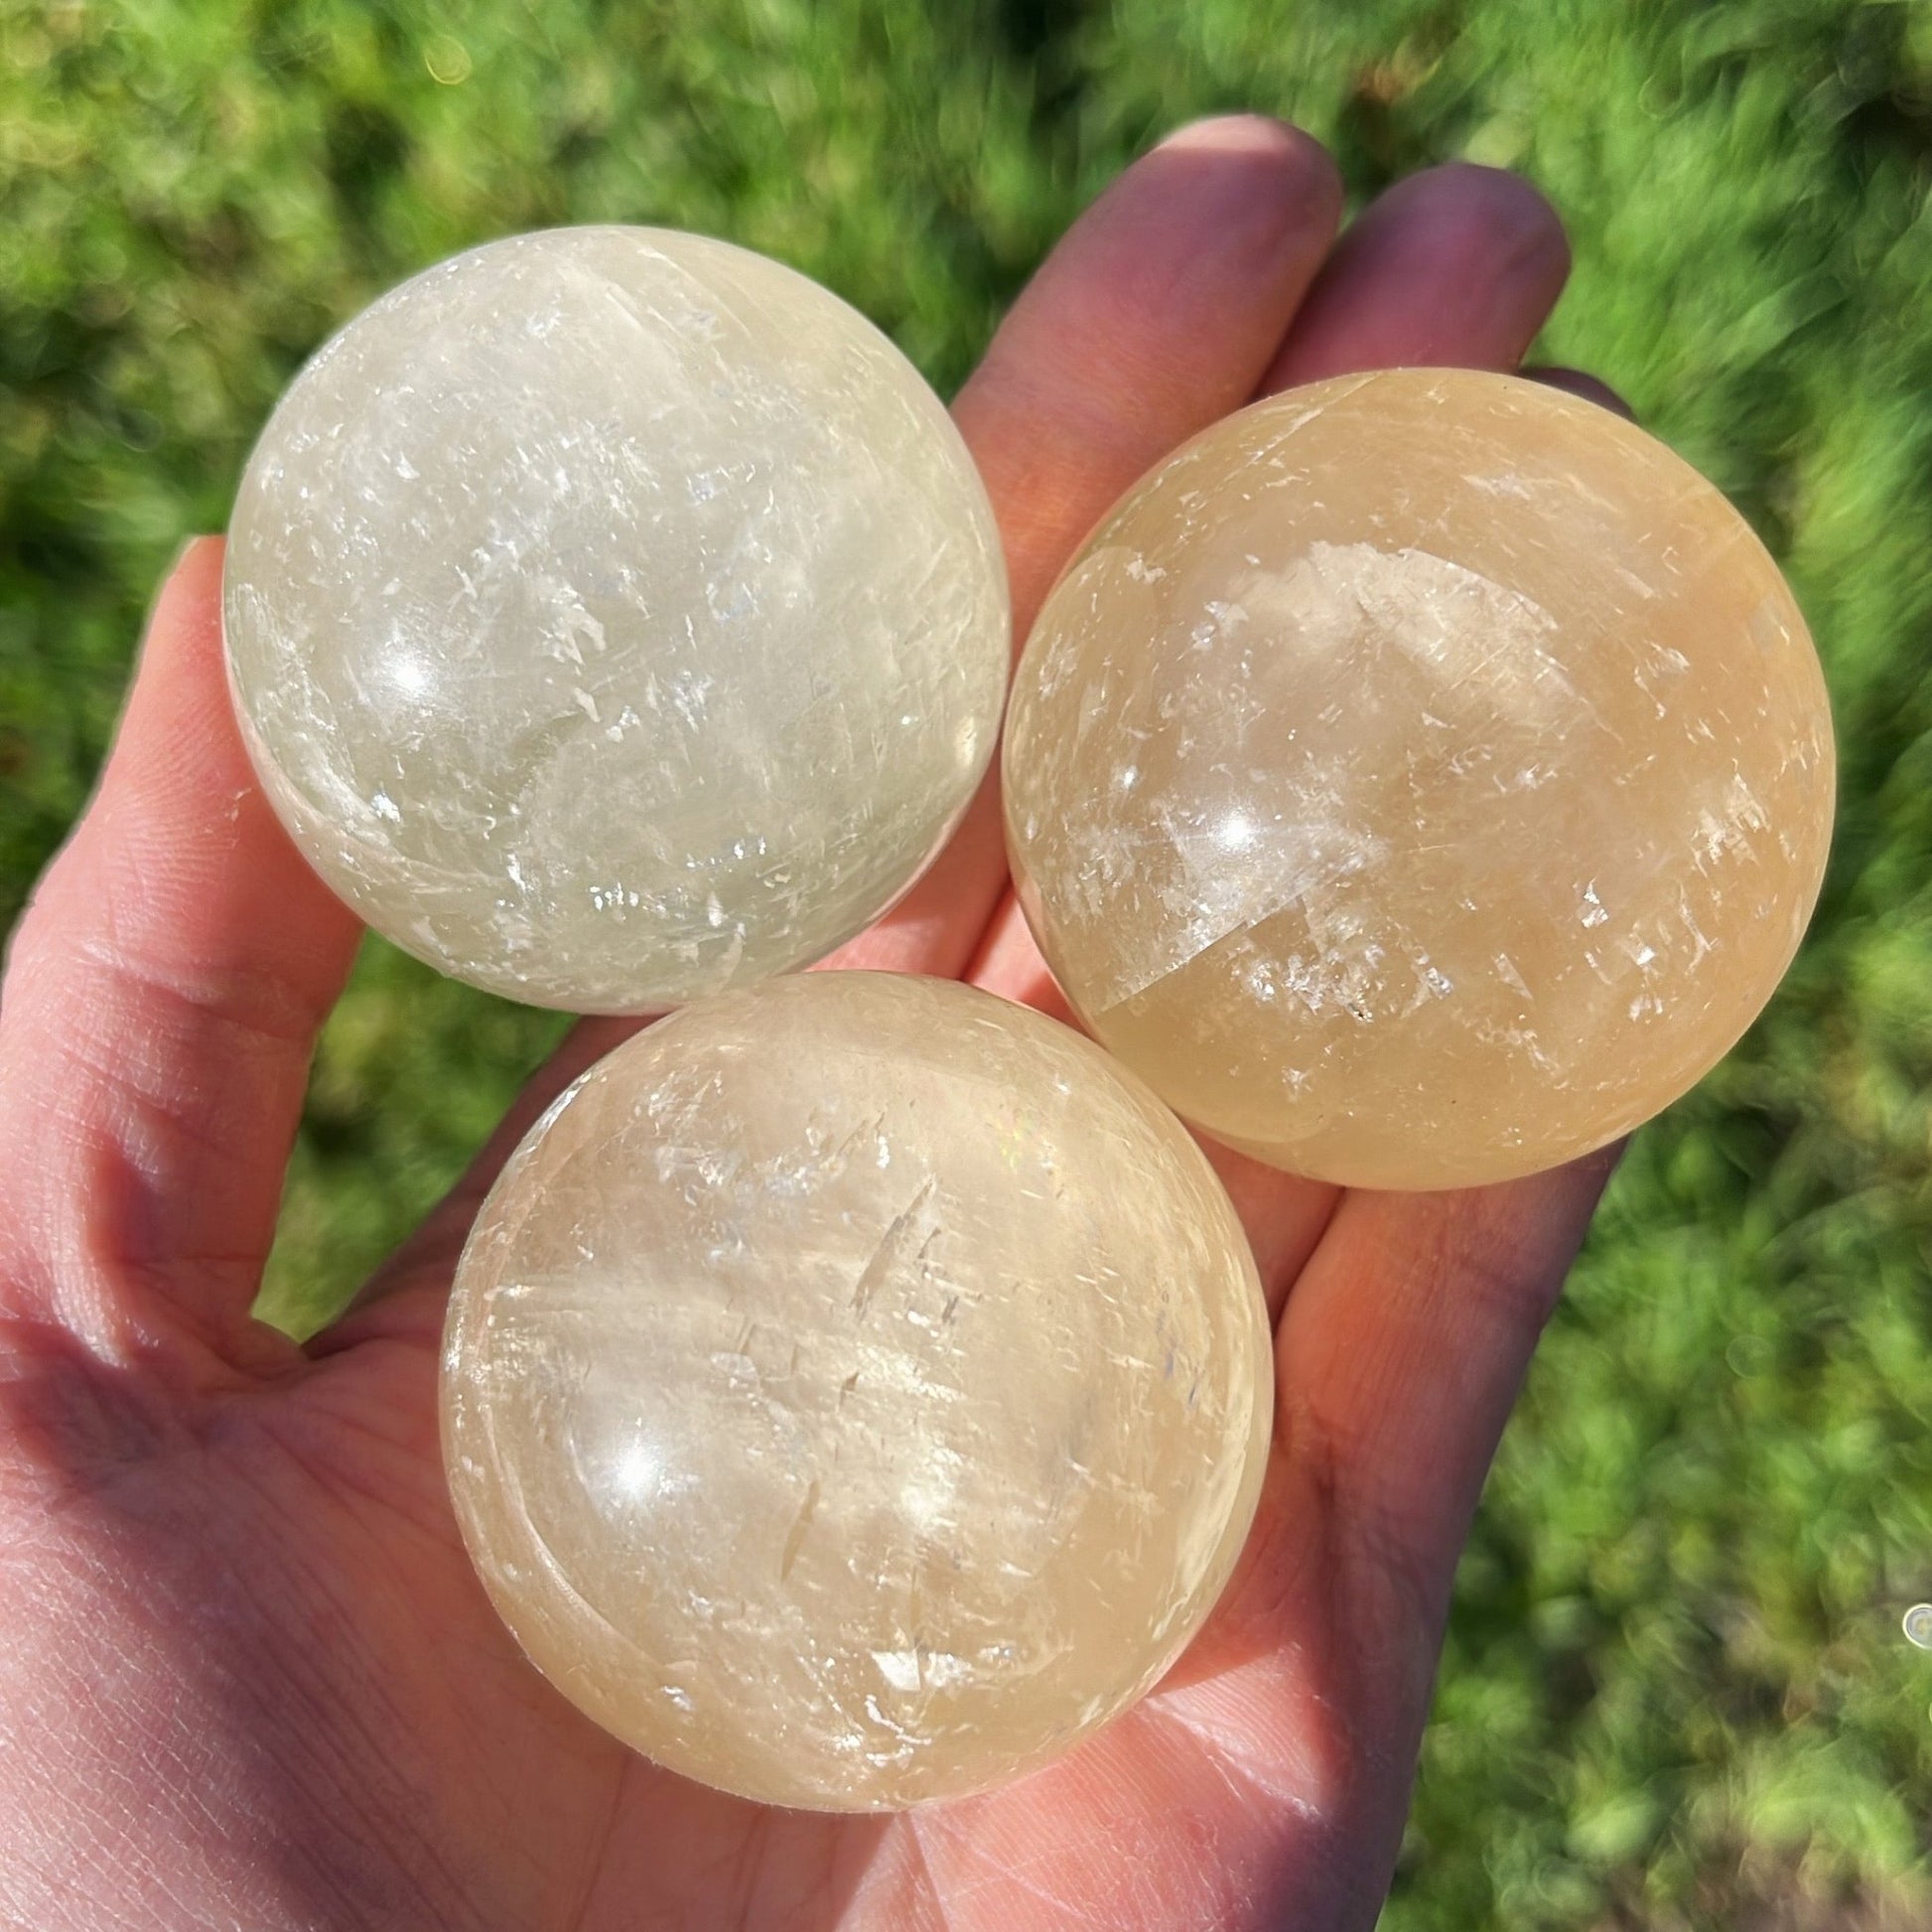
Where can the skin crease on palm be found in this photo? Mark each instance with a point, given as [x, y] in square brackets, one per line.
[247, 1676]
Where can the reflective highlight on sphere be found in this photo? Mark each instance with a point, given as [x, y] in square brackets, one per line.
[855, 1390]
[1419, 780]
[615, 616]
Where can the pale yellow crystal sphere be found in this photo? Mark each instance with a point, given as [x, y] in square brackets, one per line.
[855, 1390]
[614, 616]
[1420, 778]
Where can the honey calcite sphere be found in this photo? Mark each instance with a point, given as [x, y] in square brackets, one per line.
[855, 1390]
[614, 616]
[1419, 780]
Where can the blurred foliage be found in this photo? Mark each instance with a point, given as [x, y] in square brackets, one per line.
[1676, 1694]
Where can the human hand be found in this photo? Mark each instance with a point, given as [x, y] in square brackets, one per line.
[247, 1678]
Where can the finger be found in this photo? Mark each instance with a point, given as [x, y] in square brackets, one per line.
[1457, 268]
[161, 1003]
[1580, 383]
[1401, 1354]
[1156, 314]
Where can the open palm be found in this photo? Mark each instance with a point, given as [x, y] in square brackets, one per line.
[246, 1677]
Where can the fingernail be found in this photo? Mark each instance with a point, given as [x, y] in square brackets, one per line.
[1578, 382]
[1258, 183]
[1232, 134]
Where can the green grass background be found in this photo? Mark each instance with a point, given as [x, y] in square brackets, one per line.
[1676, 1691]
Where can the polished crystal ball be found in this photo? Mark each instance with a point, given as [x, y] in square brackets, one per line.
[614, 616]
[1420, 778]
[855, 1390]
